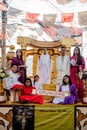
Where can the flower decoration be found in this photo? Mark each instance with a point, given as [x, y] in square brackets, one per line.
[84, 76]
[80, 74]
[3, 73]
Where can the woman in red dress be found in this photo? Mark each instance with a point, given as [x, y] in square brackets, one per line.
[77, 66]
[27, 93]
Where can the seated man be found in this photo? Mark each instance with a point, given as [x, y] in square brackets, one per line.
[12, 80]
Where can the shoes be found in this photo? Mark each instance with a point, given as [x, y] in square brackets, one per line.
[24, 102]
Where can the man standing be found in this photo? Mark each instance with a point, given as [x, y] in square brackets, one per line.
[44, 67]
[62, 65]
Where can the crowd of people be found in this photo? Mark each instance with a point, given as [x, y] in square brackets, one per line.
[67, 80]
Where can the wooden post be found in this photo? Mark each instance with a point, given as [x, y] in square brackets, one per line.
[3, 46]
[85, 92]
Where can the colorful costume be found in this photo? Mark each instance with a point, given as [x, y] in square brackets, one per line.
[72, 98]
[28, 96]
[74, 75]
[22, 70]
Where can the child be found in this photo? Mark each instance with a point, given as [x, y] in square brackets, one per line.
[27, 93]
[36, 82]
[12, 80]
[68, 87]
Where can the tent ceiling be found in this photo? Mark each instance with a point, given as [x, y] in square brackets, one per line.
[45, 20]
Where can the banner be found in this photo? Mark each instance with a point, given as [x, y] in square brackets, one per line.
[50, 93]
[54, 117]
[43, 117]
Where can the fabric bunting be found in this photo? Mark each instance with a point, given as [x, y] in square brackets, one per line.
[82, 18]
[31, 17]
[83, 1]
[75, 32]
[51, 31]
[49, 19]
[67, 17]
[63, 2]
[3, 36]
[3, 6]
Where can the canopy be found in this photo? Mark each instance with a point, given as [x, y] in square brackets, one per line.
[45, 20]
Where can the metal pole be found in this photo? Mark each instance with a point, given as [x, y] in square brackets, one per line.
[3, 45]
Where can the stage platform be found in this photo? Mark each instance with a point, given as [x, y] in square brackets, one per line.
[41, 117]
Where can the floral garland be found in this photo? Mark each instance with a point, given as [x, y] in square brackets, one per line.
[3, 74]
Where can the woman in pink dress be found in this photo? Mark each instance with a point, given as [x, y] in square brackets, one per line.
[27, 93]
[77, 66]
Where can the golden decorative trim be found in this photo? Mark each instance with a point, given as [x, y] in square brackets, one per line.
[50, 51]
[81, 117]
[6, 117]
[44, 44]
[25, 41]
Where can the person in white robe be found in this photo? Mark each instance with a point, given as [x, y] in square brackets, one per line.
[44, 67]
[62, 66]
[36, 82]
